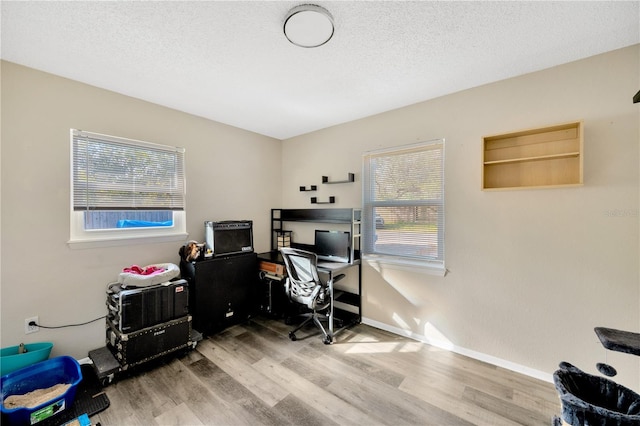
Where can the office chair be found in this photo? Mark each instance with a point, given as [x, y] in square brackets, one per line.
[303, 286]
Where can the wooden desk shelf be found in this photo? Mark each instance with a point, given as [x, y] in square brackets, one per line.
[545, 157]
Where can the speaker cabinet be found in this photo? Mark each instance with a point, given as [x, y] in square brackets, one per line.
[223, 292]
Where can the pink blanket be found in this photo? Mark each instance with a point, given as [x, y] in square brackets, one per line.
[149, 270]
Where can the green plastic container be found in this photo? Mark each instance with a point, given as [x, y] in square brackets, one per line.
[11, 360]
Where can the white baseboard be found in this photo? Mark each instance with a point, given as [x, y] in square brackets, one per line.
[541, 375]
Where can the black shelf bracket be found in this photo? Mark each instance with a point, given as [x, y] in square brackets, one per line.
[314, 200]
[351, 178]
[311, 188]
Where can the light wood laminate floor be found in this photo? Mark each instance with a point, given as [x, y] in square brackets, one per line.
[252, 374]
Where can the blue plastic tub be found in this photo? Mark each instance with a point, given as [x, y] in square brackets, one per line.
[11, 360]
[43, 375]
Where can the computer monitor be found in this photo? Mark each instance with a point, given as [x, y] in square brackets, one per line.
[334, 246]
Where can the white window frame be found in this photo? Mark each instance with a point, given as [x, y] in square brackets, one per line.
[81, 238]
[384, 261]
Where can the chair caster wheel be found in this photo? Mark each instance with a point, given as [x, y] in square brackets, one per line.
[292, 337]
[327, 340]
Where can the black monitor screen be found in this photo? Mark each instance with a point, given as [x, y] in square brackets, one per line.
[334, 246]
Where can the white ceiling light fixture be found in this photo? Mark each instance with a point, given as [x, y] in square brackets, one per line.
[308, 25]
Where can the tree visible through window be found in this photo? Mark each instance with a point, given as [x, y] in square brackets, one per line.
[121, 183]
[403, 202]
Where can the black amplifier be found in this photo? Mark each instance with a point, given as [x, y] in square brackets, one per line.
[229, 237]
[149, 343]
[132, 309]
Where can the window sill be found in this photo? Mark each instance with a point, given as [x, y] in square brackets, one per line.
[379, 263]
[81, 244]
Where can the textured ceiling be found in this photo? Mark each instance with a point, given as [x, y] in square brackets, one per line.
[230, 62]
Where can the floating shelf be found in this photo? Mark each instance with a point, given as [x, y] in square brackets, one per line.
[311, 188]
[314, 200]
[543, 157]
[351, 178]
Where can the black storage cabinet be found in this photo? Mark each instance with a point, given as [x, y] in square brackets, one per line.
[222, 291]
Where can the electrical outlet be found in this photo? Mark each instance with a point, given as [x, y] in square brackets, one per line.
[31, 328]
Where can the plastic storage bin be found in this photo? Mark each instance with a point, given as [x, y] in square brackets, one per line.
[592, 400]
[11, 360]
[45, 374]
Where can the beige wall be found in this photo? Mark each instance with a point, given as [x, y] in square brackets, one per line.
[231, 174]
[531, 272]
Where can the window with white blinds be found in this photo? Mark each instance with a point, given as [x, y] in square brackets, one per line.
[125, 185]
[403, 202]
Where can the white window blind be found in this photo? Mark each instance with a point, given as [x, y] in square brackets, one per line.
[111, 173]
[403, 202]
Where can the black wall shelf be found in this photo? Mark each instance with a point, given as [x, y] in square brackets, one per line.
[314, 200]
[311, 188]
[351, 178]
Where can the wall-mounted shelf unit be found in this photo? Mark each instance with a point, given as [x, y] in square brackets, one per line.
[351, 178]
[348, 303]
[544, 157]
[350, 217]
[314, 200]
[311, 188]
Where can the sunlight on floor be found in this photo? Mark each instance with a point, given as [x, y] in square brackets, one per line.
[367, 344]
[373, 347]
[433, 338]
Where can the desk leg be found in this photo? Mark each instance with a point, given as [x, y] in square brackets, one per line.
[331, 306]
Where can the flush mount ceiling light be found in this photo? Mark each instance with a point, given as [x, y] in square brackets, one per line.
[308, 25]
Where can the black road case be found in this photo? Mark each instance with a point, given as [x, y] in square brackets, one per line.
[132, 309]
[149, 343]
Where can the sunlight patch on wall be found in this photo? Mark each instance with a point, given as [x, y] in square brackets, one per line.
[435, 337]
[401, 323]
[430, 335]
[398, 279]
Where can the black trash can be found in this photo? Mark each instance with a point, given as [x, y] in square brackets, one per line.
[591, 400]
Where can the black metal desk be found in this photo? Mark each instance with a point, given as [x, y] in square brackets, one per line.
[332, 269]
